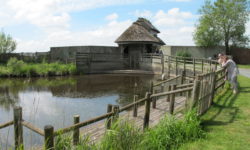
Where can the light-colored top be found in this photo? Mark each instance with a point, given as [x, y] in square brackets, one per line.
[232, 69]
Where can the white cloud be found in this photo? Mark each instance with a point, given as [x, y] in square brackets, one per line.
[112, 16]
[144, 13]
[104, 35]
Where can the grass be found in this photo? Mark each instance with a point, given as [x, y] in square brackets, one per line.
[170, 133]
[227, 123]
[18, 68]
[244, 66]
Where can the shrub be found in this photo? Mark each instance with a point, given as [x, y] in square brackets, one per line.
[170, 133]
[183, 54]
[16, 66]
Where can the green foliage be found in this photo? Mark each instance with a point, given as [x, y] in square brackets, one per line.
[122, 136]
[18, 68]
[7, 44]
[170, 133]
[183, 54]
[221, 23]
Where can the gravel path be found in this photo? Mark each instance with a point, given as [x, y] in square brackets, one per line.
[245, 72]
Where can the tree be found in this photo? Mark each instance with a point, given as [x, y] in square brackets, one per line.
[222, 23]
[7, 44]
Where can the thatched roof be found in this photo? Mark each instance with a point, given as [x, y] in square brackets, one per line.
[141, 31]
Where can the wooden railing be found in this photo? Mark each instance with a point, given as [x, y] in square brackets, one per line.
[199, 94]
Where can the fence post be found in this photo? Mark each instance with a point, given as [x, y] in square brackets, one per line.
[135, 106]
[182, 79]
[147, 111]
[172, 100]
[49, 137]
[168, 96]
[213, 84]
[176, 66]
[202, 65]
[195, 93]
[109, 109]
[18, 128]
[184, 67]
[194, 66]
[115, 109]
[162, 64]
[154, 100]
[169, 65]
[76, 132]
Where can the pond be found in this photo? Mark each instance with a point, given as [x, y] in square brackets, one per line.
[56, 100]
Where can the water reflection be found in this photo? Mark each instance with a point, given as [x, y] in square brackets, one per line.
[55, 100]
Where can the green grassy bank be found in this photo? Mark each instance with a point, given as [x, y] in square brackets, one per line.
[244, 66]
[227, 123]
[18, 68]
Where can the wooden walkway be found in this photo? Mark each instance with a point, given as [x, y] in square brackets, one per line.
[96, 131]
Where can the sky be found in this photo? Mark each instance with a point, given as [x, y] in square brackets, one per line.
[37, 25]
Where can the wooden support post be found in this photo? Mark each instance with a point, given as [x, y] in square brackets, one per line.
[162, 87]
[147, 111]
[213, 84]
[210, 65]
[169, 65]
[182, 79]
[194, 66]
[184, 67]
[154, 100]
[202, 65]
[135, 106]
[76, 132]
[18, 128]
[162, 64]
[172, 100]
[151, 87]
[115, 109]
[176, 66]
[109, 109]
[49, 137]
[168, 96]
[195, 93]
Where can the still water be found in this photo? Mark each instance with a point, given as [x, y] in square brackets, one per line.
[54, 101]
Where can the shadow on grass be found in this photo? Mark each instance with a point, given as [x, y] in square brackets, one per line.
[223, 112]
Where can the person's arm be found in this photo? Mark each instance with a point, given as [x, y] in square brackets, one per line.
[225, 65]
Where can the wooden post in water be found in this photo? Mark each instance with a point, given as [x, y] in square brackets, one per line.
[76, 132]
[109, 109]
[172, 100]
[115, 109]
[135, 106]
[154, 100]
[195, 93]
[18, 128]
[147, 111]
[49, 137]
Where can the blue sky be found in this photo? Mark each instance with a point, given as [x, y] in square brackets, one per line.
[38, 25]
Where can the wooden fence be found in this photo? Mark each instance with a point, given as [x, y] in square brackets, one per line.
[199, 91]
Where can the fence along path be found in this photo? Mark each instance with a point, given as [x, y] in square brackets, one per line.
[144, 112]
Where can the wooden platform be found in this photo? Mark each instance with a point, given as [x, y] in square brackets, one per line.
[97, 130]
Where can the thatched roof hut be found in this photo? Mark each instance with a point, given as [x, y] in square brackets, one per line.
[141, 31]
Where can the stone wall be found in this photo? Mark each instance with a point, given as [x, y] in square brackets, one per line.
[195, 51]
[241, 55]
[66, 54]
